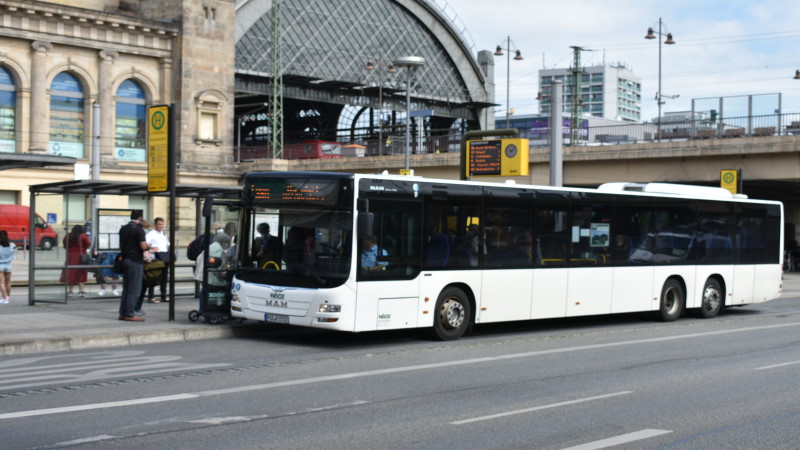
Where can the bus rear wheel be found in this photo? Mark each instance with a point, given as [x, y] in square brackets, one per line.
[673, 301]
[452, 314]
[711, 303]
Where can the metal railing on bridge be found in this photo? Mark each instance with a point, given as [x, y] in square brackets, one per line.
[539, 137]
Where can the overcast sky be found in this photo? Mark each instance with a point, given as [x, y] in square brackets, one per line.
[723, 48]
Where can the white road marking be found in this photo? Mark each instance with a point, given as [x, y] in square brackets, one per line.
[394, 370]
[88, 440]
[91, 406]
[24, 373]
[778, 365]
[539, 408]
[619, 440]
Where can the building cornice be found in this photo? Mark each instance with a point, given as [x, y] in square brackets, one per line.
[81, 27]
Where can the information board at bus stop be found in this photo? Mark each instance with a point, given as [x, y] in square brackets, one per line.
[497, 157]
[158, 148]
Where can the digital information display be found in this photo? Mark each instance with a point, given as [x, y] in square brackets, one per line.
[498, 157]
[484, 157]
[282, 190]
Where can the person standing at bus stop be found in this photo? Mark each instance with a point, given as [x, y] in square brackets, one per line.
[8, 251]
[157, 240]
[132, 244]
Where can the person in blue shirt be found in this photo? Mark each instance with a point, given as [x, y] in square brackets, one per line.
[369, 255]
[8, 251]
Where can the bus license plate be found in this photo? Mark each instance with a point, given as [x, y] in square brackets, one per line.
[276, 318]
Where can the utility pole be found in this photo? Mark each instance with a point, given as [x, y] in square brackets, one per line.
[575, 116]
[277, 82]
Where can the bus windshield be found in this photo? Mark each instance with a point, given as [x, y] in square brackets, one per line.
[295, 233]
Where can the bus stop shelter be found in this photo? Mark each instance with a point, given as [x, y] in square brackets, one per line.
[90, 188]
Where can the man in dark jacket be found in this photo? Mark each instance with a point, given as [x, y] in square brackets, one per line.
[132, 244]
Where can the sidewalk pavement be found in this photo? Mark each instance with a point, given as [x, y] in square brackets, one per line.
[85, 323]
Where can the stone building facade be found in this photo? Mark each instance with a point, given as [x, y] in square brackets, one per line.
[61, 60]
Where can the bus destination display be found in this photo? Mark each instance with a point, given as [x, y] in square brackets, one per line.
[292, 191]
[484, 157]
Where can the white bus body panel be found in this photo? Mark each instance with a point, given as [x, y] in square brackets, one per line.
[589, 291]
[744, 285]
[505, 295]
[549, 295]
[633, 289]
[259, 299]
[384, 305]
[768, 282]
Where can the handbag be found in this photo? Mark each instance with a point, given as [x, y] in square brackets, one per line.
[86, 259]
[119, 268]
[163, 257]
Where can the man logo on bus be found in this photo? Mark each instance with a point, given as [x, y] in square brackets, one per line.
[277, 303]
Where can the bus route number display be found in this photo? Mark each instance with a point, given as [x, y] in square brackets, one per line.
[290, 191]
[484, 157]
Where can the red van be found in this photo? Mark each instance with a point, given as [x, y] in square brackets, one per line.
[15, 220]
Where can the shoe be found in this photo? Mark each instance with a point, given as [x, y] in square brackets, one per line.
[116, 292]
[4, 301]
[101, 292]
[166, 300]
[121, 317]
[138, 313]
[152, 300]
[133, 319]
[81, 294]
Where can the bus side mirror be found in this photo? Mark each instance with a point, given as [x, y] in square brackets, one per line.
[365, 223]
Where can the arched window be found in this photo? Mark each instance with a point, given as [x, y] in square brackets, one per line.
[129, 143]
[8, 113]
[66, 116]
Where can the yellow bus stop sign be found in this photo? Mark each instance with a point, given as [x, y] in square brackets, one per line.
[158, 148]
[729, 179]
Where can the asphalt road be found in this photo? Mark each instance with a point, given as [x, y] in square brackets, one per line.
[622, 381]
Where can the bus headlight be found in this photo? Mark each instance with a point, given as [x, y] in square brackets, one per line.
[326, 308]
[235, 298]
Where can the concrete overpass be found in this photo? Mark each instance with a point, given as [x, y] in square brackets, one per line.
[770, 166]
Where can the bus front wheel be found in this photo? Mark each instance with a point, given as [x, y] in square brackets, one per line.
[453, 314]
[673, 300]
[712, 299]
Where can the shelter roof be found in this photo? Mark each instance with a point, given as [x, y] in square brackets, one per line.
[109, 187]
[31, 161]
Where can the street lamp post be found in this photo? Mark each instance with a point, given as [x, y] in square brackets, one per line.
[389, 69]
[411, 63]
[517, 57]
[651, 34]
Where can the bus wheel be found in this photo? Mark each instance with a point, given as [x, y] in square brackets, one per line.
[672, 301]
[712, 299]
[452, 314]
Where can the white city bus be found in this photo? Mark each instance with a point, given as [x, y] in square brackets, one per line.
[451, 254]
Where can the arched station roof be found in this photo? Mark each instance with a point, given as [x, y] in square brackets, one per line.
[326, 45]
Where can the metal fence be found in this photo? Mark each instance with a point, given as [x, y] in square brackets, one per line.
[627, 133]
